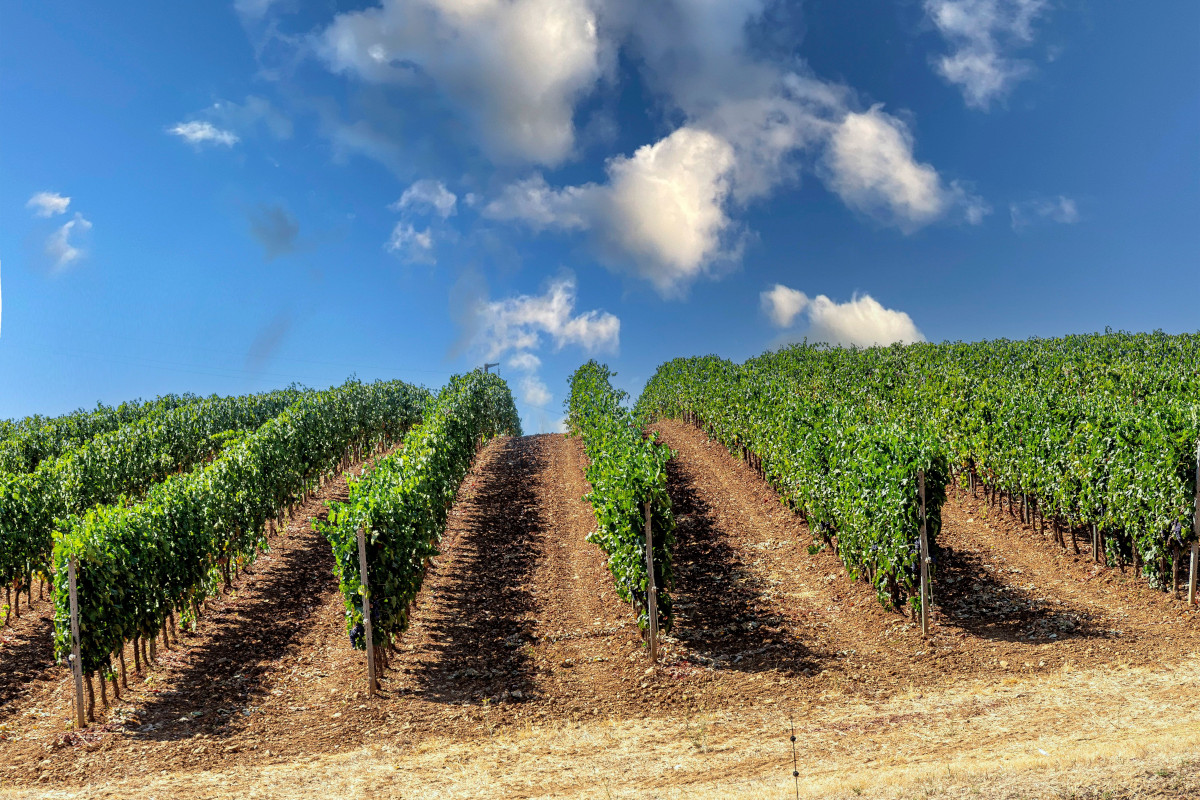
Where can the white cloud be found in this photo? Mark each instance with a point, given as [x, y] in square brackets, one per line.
[200, 132]
[782, 304]
[980, 33]
[862, 321]
[411, 244]
[429, 194]
[47, 204]
[533, 391]
[872, 168]
[520, 323]
[59, 247]
[1060, 209]
[661, 210]
[515, 327]
[516, 68]
[526, 362]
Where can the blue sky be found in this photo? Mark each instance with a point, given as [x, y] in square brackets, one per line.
[228, 197]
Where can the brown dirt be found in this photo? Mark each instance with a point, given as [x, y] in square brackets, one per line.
[523, 675]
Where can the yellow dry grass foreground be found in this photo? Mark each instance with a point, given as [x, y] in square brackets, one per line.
[1112, 732]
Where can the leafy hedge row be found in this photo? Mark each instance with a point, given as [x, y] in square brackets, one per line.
[1085, 430]
[25, 444]
[126, 461]
[139, 563]
[626, 470]
[851, 472]
[402, 503]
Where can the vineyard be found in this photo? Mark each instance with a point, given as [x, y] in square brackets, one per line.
[217, 566]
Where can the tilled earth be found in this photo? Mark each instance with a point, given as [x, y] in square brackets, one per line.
[518, 626]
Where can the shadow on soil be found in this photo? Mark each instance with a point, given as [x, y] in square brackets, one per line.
[995, 606]
[26, 655]
[237, 643]
[719, 610]
[477, 634]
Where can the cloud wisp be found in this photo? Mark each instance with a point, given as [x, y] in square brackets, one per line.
[59, 247]
[512, 330]
[1043, 210]
[427, 194]
[982, 34]
[862, 321]
[48, 204]
[198, 133]
[427, 199]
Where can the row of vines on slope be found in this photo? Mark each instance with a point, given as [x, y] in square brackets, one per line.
[402, 503]
[27, 443]
[852, 473]
[1090, 431]
[138, 565]
[626, 470]
[124, 462]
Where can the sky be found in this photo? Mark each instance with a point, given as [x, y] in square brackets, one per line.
[229, 197]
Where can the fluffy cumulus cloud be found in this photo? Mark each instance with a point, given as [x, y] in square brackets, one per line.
[427, 195]
[861, 322]
[872, 168]
[661, 209]
[782, 303]
[60, 248]
[526, 362]
[533, 391]
[515, 68]
[1060, 209]
[200, 132]
[982, 35]
[48, 204]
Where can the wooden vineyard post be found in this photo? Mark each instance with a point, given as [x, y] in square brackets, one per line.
[924, 556]
[651, 590]
[76, 664]
[366, 598]
[1195, 532]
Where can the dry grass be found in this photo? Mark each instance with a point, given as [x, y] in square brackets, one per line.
[1113, 732]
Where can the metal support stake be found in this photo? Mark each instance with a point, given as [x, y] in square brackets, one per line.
[76, 663]
[924, 559]
[366, 598]
[651, 590]
[1195, 531]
